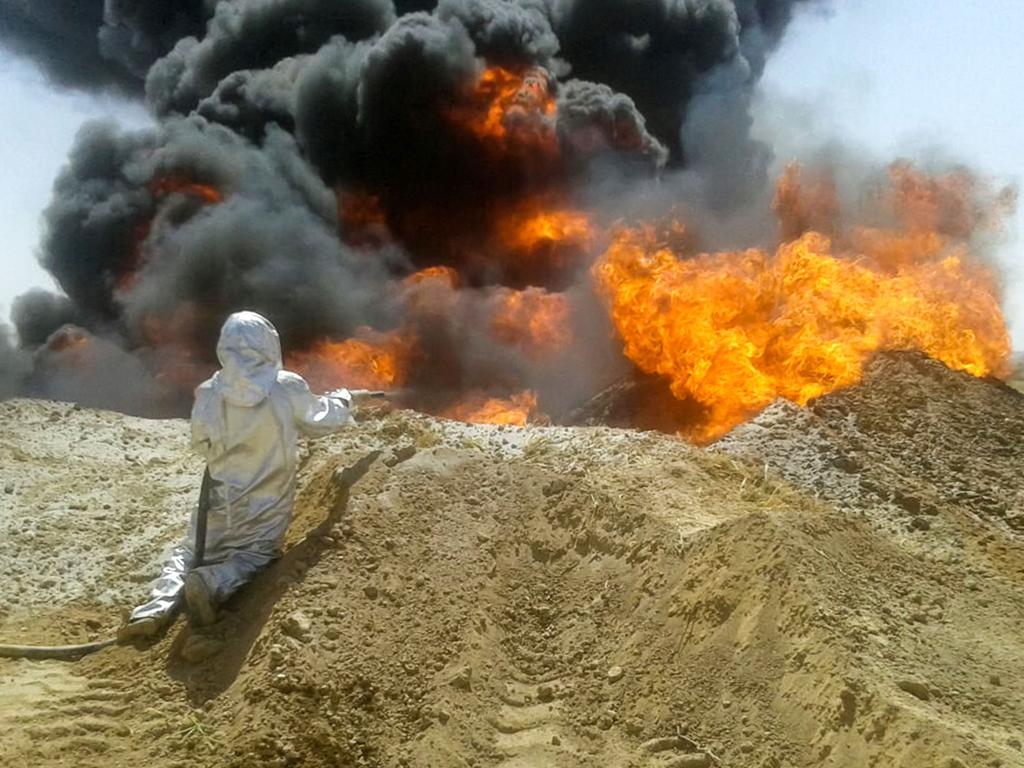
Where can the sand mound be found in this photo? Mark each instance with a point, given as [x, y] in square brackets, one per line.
[915, 437]
[567, 597]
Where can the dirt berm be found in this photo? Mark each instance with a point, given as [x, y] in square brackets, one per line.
[841, 585]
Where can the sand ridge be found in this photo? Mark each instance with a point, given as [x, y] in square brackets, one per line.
[457, 595]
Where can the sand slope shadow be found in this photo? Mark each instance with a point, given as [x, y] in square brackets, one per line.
[230, 641]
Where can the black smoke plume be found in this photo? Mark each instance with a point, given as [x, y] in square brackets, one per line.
[312, 154]
[96, 44]
[15, 365]
[256, 35]
[136, 33]
[38, 313]
[62, 37]
[188, 221]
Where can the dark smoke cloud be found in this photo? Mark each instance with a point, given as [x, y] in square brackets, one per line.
[762, 23]
[457, 357]
[96, 44]
[38, 313]
[256, 34]
[592, 118]
[403, 7]
[92, 224]
[715, 137]
[656, 51]
[378, 115]
[95, 370]
[506, 33]
[136, 33]
[274, 113]
[15, 366]
[61, 37]
[732, 167]
[250, 100]
[419, 65]
[271, 243]
[327, 109]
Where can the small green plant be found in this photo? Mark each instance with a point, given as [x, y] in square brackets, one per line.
[200, 733]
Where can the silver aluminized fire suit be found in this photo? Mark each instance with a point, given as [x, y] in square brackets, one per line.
[246, 422]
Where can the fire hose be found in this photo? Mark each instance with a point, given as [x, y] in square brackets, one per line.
[75, 652]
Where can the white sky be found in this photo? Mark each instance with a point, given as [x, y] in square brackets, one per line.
[36, 130]
[899, 78]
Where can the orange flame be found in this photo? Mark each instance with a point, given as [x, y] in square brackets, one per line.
[528, 229]
[169, 185]
[733, 331]
[160, 188]
[437, 275]
[541, 245]
[803, 203]
[361, 218]
[513, 411]
[947, 204]
[172, 339]
[534, 320]
[72, 340]
[430, 292]
[368, 360]
[505, 107]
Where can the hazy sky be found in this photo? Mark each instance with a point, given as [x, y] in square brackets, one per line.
[899, 78]
[39, 123]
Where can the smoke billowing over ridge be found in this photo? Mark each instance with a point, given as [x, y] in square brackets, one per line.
[433, 197]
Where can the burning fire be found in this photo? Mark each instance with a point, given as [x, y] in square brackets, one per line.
[733, 331]
[368, 360]
[479, 409]
[505, 107]
[805, 202]
[71, 340]
[170, 339]
[534, 320]
[729, 331]
[947, 204]
[161, 188]
[529, 230]
[436, 275]
[361, 219]
[540, 244]
[431, 291]
[172, 184]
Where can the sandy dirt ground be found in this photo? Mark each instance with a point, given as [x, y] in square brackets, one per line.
[841, 585]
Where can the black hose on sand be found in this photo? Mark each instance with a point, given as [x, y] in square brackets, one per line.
[57, 652]
[75, 652]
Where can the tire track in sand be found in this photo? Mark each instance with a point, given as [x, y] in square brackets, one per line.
[48, 712]
[531, 729]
